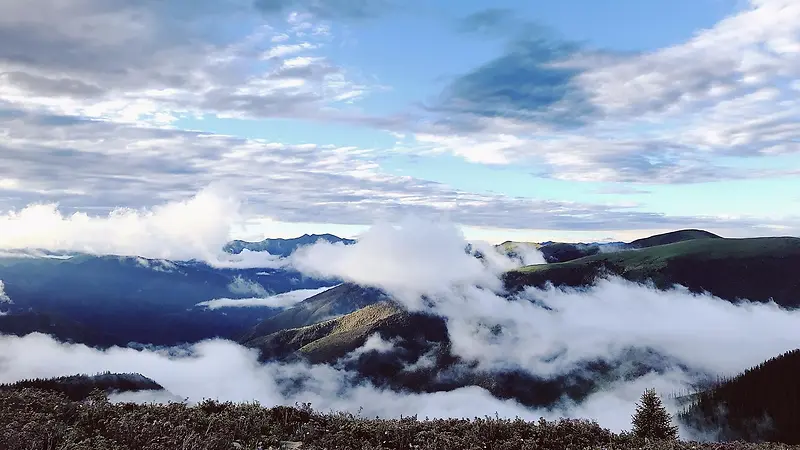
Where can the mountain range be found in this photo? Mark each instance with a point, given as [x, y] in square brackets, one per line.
[155, 302]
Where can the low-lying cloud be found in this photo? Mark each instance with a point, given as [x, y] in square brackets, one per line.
[283, 300]
[243, 286]
[195, 228]
[544, 332]
[4, 298]
[548, 332]
[411, 259]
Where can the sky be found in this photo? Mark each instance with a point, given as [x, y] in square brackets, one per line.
[570, 120]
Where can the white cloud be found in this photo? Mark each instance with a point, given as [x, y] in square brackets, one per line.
[4, 298]
[283, 300]
[142, 62]
[382, 254]
[664, 116]
[243, 286]
[225, 371]
[374, 343]
[422, 258]
[195, 228]
[543, 332]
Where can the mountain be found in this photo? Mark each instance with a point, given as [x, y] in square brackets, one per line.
[283, 247]
[760, 404]
[414, 354]
[79, 387]
[555, 252]
[104, 300]
[337, 301]
[329, 340]
[65, 329]
[757, 269]
[731, 268]
[672, 237]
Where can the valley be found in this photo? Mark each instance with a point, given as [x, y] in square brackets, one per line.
[401, 342]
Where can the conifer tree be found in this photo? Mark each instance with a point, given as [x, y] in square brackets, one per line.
[652, 421]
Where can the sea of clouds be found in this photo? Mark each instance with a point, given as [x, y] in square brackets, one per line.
[410, 260]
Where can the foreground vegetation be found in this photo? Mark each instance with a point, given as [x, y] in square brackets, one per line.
[40, 419]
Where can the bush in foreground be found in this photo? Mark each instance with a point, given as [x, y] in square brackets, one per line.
[37, 419]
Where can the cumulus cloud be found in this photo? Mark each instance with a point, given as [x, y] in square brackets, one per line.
[552, 332]
[4, 298]
[243, 286]
[283, 300]
[381, 256]
[195, 228]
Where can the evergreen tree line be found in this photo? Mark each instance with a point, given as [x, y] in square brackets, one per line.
[79, 387]
[760, 404]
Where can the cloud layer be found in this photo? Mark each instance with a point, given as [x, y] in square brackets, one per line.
[548, 332]
[197, 225]
[542, 332]
[149, 61]
[283, 300]
[196, 228]
[666, 116]
[4, 298]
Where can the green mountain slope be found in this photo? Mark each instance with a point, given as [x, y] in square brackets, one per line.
[672, 237]
[757, 269]
[339, 300]
[332, 339]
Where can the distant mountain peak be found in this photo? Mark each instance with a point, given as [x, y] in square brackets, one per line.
[673, 237]
[283, 246]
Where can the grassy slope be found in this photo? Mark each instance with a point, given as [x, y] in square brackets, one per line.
[340, 300]
[328, 340]
[672, 237]
[757, 269]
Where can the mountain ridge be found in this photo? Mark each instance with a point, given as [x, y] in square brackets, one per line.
[282, 246]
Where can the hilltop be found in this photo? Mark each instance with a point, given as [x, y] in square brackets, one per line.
[555, 252]
[757, 269]
[672, 237]
[80, 387]
[283, 247]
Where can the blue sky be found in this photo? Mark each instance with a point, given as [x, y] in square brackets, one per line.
[574, 119]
